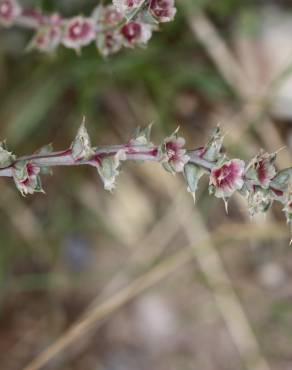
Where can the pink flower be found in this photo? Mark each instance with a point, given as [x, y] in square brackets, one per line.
[9, 11]
[227, 178]
[47, 38]
[26, 177]
[125, 6]
[109, 42]
[136, 33]
[79, 31]
[110, 15]
[265, 169]
[175, 155]
[163, 10]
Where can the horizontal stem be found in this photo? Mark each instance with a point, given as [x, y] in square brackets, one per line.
[133, 152]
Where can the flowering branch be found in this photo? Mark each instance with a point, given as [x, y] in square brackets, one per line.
[125, 23]
[258, 181]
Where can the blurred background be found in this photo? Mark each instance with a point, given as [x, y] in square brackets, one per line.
[160, 284]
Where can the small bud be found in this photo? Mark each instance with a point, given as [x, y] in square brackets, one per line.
[109, 42]
[212, 150]
[79, 31]
[261, 169]
[9, 11]
[6, 157]
[227, 178]
[26, 177]
[259, 200]
[174, 157]
[163, 10]
[81, 146]
[142, 136]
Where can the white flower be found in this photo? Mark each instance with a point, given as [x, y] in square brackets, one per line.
[174, 154]
[9, 11]
[163, 10]
[136, 33]
[79, 31]
[125, 6]
[227, 178]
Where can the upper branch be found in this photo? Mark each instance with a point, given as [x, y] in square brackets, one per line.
[126, 23]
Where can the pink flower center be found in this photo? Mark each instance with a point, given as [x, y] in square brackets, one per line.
[161, 8]
[172, 150]
[79, 30]
[226, 175]
[131, 31]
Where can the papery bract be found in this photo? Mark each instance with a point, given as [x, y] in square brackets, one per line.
[227, 178]
[81, 146]
[212, 150]
[109, 169]
[6, 157]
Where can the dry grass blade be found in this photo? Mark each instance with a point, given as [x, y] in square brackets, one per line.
[103, 310]
[232, 72]
[149, 279]
[221, 287]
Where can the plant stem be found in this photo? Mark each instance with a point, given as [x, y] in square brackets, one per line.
[133, 153]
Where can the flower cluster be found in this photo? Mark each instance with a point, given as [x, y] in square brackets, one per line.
[125, 23]
[258, 181]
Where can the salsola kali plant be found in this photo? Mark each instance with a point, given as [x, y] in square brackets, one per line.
[258, 181]
[125, 23]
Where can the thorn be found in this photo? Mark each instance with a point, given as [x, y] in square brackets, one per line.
[176, 130]
[226, 205]
[280, 149]
[194, 197]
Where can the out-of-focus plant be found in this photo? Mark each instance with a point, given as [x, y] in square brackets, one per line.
[258, 181]
[125, 23]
